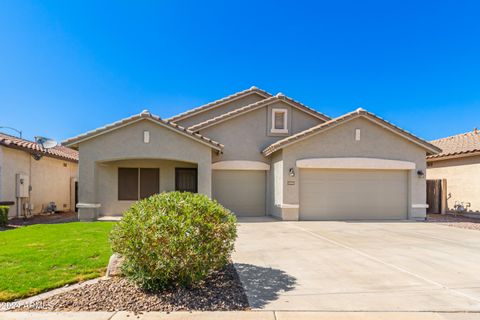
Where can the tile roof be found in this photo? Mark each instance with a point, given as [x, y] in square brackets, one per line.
[60, 152]
[219, 102]
[143, 115]
[458, 145]
[337, 121]
[257, 105]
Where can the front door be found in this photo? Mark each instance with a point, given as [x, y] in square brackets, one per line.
[186, 179]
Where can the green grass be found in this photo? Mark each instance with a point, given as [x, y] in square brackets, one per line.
[42, 257]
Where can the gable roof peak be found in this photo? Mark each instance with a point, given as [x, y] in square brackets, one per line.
[431, 148]
[144, 115]
[220, 102]
[253, 106]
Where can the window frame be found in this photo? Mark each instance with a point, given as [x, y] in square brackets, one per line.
[273, 129]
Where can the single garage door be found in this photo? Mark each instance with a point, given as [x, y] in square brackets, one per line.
[330, 194]
[241, 191]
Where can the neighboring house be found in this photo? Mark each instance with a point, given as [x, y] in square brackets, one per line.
[32, 184]
[459, 164]
[257, 154]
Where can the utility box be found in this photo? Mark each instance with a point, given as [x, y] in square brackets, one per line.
[22, 185]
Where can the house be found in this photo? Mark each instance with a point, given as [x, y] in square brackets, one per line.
[459, 165]
[257, 154]
[33, 177]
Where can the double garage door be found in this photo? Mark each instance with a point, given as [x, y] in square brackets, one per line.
[241, 191]
[330, 194]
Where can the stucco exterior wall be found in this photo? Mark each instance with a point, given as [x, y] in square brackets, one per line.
[241, 102]
[245, 136]
[126, 143]
[376, 142]
[463, 180]
[50, 179]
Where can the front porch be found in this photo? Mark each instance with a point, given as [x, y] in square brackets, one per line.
[119, 183]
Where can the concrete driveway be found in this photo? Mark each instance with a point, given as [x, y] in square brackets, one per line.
[358, 266]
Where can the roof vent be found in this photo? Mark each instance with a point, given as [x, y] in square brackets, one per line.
[145, 113]
[253, 88]
[360, 110]
[279, 95]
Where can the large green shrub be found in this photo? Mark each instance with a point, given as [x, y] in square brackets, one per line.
[4, 215]
[174, 238]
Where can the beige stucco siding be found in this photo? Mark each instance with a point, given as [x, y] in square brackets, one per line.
[227, 107]
[246, 135]
[50, 178]
[376, 142]
[463, 180]
[126, 143]
[297, 120]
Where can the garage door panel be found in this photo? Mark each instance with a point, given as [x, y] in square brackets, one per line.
[241, 191]
[353, 194]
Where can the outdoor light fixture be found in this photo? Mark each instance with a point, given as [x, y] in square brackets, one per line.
[291, 172]
[420, 173]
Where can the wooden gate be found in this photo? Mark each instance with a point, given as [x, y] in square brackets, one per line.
[437, 196]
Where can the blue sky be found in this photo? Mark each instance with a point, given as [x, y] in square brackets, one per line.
[71, 66]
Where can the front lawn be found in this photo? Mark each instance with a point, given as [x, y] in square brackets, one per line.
[42, 257]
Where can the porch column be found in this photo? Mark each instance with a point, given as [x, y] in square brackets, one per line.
[205, 178]
[86, 189]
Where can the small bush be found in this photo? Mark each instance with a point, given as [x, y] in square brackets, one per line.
[174, 238]
[4, 215]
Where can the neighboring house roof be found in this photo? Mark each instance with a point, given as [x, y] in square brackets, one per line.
[431, 149]
[460, 145]
[220, 102]
[59, 152]
[255, 106]
[144, 115]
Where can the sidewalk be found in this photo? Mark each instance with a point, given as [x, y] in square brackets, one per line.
[248, 315]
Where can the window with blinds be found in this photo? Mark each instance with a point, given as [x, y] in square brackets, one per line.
[138, 183]
[279, 121]
[186, 179]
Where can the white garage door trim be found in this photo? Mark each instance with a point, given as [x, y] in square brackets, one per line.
[240, 165]
[355, 163]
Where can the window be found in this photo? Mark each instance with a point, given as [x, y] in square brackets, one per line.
[149, 182]
[186, 179]
[138, 183]
[127, 184]
[279, 121]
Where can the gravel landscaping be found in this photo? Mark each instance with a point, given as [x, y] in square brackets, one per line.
[221, 291]
[454, 221]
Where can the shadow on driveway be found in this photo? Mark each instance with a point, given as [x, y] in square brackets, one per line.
[263, 285]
